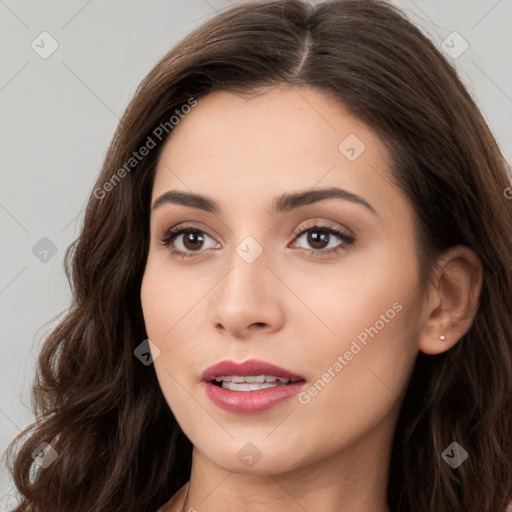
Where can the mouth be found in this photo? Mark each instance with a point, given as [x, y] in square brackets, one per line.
[251, 386]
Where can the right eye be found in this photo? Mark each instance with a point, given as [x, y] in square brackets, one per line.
[192, 237]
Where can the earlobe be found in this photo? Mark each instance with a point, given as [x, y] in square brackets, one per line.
[453, 300]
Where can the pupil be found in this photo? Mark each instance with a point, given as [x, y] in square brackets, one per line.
[314, 238]
[193, 238]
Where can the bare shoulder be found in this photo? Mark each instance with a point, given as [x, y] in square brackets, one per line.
[175, 503]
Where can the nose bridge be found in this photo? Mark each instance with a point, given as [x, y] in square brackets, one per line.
[246, 295]
[250, 237]
[248, 263]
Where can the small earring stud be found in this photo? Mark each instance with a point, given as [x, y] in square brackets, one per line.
[442, 337]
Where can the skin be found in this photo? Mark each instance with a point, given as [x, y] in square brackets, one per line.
[294, 309]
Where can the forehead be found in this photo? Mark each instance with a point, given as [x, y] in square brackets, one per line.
[246, 150]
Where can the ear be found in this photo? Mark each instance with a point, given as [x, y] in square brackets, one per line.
[453, 299]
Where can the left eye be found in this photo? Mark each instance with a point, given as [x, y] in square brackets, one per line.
[326, 231]
[320, 234]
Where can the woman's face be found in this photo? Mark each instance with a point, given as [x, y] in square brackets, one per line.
[342, 312]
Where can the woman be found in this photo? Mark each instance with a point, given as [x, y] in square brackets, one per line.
[292, 288]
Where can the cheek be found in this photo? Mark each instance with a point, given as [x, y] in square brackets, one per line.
[368, 290]
[380, 338]
[162, 298]
[358, 384]
[167, 317]
[379, 324]
[362, 367]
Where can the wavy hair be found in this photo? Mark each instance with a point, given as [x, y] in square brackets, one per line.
[119, 446]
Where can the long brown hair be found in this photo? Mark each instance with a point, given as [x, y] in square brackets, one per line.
[119, 446]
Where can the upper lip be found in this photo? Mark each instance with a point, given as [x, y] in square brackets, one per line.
[249, 367]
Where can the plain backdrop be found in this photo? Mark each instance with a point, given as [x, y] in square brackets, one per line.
[59, 113]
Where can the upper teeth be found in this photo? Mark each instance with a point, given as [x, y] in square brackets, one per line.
[251, 378]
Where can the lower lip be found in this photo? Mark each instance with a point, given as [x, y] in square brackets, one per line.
[258, 400]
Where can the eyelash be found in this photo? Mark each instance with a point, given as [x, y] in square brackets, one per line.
[171, 234]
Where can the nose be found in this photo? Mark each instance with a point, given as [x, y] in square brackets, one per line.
[249, 298]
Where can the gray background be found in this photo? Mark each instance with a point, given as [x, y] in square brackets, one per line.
[59, 114]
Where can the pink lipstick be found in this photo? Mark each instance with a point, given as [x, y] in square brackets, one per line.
[251, 386]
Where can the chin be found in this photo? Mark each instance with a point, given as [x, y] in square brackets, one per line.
[256, 457]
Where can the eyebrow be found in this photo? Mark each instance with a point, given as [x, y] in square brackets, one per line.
[280, 204]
